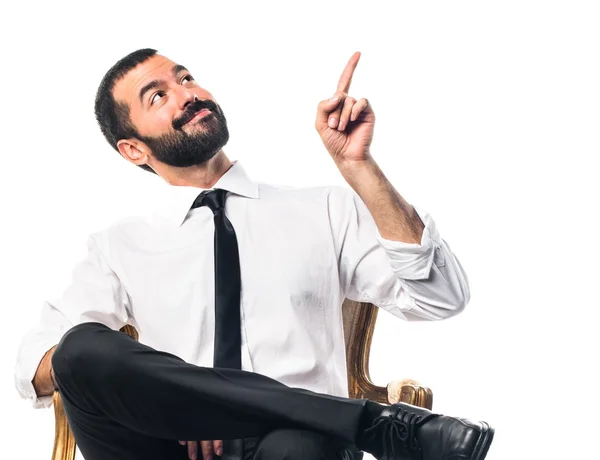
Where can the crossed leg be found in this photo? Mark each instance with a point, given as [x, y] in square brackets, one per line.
[125, 400]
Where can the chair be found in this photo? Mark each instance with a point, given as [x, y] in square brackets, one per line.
[359, 324]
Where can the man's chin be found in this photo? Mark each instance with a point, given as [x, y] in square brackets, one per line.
[204, 160]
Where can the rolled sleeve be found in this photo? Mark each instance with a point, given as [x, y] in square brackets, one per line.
[95, 295]
[412, 261]
[431, 274]
[32, 350]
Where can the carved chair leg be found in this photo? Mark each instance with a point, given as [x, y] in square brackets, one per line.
[64, 442]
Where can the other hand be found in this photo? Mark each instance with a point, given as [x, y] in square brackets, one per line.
[207, 449]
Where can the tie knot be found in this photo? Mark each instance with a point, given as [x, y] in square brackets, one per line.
[214, 199]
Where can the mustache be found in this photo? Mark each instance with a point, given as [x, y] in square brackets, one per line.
[191, 111]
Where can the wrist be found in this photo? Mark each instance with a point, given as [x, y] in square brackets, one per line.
[350, 166]
[54, 386]
[362, 174]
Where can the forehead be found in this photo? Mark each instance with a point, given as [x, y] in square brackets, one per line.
[155, 68]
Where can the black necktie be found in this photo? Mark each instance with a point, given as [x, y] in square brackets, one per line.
[228, 338]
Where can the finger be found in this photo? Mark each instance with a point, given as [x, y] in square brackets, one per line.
[358, 108]
[327, 108]
[192, 450]
[218, 447]
[183, 443]
[207, 450]
[334, 117]
[346, 78]
[346, 112]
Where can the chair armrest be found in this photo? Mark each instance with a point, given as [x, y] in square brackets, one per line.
[411, 392]
[405, 390]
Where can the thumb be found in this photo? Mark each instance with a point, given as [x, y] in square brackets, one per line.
[325, 108]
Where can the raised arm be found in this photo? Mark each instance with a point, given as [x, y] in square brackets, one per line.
[390, 254]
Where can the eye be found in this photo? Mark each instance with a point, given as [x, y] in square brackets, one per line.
[187, 78]
[154, 99]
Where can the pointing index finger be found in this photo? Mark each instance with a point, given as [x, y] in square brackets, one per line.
[346, 78]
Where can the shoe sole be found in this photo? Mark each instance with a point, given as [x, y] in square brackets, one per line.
[484, 442]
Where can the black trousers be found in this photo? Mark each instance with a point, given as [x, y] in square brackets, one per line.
[127, 401]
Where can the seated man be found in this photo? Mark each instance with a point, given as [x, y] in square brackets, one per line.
[236, 289]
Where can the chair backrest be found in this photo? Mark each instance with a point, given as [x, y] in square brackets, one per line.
[359, 325]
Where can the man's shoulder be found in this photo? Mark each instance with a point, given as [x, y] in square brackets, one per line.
[123, 228]
[318, 192]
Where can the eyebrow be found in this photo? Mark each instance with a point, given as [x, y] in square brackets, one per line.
[178, 68]
[156, 83]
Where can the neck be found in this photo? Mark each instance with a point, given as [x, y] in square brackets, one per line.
[203, 176]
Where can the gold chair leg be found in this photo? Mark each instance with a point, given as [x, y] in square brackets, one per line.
[64, 442]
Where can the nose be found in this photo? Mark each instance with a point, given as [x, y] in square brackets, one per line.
[184, 97]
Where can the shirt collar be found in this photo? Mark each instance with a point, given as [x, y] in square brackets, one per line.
[180, 198]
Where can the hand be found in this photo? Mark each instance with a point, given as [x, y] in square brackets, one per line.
[208, 449]
[345, 124]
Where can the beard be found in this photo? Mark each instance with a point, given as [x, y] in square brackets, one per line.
[183, 149]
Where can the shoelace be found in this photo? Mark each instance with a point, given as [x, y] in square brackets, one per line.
[401, 426]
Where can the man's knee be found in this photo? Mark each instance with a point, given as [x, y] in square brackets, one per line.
[81, 350]
[294, 445]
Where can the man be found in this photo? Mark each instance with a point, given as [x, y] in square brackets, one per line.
[238, 303]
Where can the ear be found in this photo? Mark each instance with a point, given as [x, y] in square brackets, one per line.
[134, 151]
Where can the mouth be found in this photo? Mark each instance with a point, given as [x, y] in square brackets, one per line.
[200, 114]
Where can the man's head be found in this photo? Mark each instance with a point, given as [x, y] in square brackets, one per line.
[152, 111]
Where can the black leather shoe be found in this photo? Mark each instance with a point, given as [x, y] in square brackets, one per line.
[405, 432]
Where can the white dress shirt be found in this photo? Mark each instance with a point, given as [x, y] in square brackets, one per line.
[302, 252]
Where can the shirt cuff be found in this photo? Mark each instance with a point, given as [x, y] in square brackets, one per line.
[413, 261]
[25, 370]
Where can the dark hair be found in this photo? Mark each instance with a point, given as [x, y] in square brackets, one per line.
[112, 116]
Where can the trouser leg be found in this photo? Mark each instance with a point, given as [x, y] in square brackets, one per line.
[105, 375]
[100, 438]
[299, 445]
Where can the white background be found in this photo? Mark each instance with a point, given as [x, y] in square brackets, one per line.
[488, 118]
